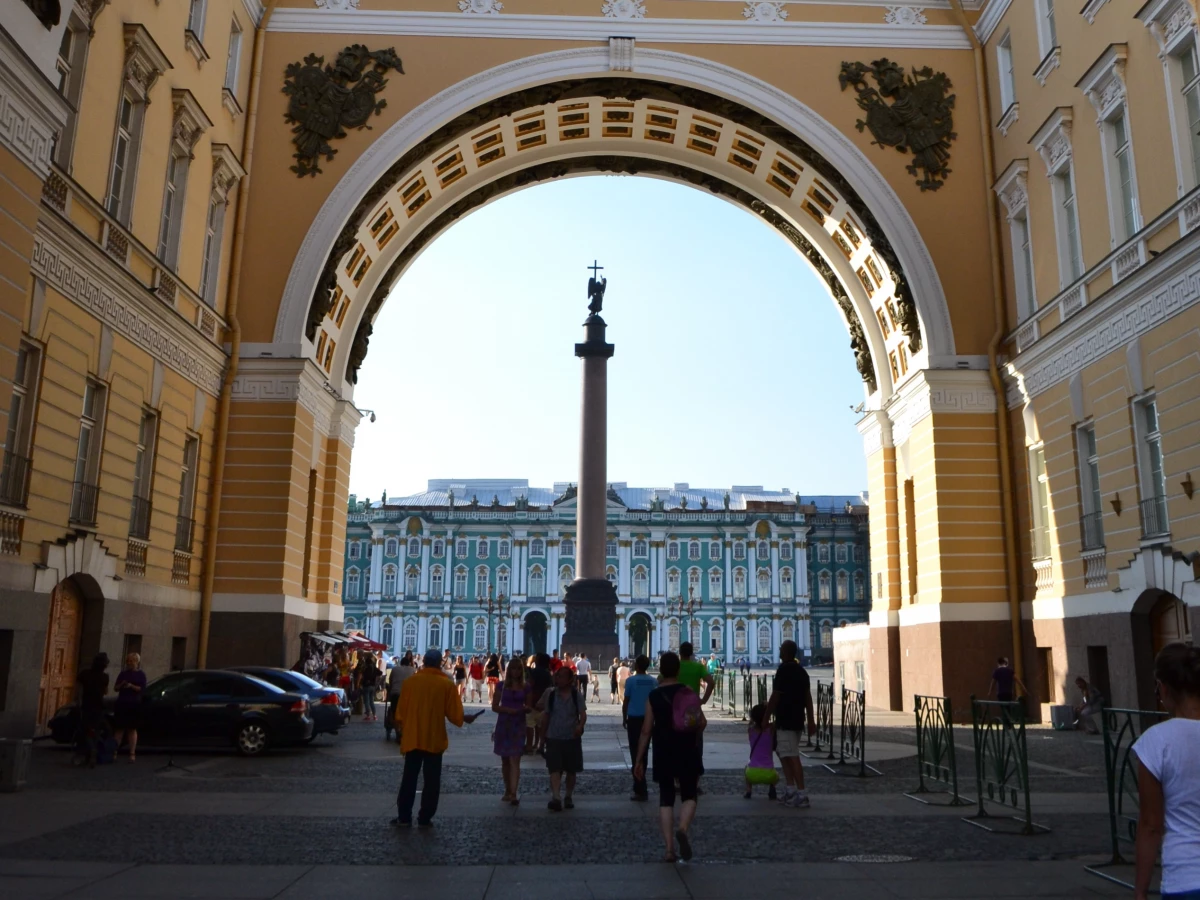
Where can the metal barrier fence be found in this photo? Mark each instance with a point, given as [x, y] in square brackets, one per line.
[718, 689]
[1121, 728]
[731, 693]
[824, 715]
[1001, 762]
[935, 749]
[760, 682]
[853, 734]
[746, 685]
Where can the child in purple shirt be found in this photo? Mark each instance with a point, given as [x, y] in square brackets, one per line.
[761, 768]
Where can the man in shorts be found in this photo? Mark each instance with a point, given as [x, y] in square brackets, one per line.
[583, 671]
[791, 705]
[475, 679]
[564, 714]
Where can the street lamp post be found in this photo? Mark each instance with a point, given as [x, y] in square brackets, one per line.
[690, 606]
[501, 606]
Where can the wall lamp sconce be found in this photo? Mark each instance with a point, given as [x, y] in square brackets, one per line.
[369, 413]
[1116, 504]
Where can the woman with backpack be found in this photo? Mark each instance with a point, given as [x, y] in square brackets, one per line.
[674, 717]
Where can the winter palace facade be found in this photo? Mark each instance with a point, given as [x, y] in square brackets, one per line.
[478, 565]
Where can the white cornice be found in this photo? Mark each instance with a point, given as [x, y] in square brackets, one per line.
[254, 9]
[990, 18]
[597, 28]
[31, 111]
[938, 391]
[1012, 188]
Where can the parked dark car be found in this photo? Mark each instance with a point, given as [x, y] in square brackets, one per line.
[206, 707]
[330, 705]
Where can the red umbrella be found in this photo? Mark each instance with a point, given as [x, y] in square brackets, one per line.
[361, 642]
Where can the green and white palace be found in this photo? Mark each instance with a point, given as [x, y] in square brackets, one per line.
[482, 564]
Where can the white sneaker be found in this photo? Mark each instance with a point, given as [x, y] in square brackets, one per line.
[797, 801]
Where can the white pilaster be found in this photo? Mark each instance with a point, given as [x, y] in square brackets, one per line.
[774, 571]
[448, 575]
[426, 541]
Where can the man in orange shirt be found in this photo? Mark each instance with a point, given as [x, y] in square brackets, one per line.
[427, 701]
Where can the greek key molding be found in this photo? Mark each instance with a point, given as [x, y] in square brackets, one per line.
[70, 276]
[939, 391]
[31, 112]
[296, 381]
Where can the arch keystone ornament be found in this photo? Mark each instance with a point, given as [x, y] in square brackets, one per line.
[326, 100]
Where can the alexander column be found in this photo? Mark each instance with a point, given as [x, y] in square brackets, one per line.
[591, 600]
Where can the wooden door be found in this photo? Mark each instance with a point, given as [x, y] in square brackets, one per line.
[1167, 622]
[61, 662]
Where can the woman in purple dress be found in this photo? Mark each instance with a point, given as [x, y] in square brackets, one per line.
[510, 704]
[129, 686]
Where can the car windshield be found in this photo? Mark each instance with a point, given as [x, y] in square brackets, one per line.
[306, 681]
[271, 689]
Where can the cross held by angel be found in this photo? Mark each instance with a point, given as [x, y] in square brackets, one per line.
[596, 287]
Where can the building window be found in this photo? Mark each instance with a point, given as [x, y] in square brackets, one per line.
[610, 549]
[739, 584]
[823, 552]
[641, 584]
[785, 550]
[72, 53]
[673, 550]
[858, 553]
[824, 581]
[412, 583]
[350, 625]
[414, 547]
[1123, 189]
[714, 584]
[504, 549]
[537, 583]
[214, 227]
[764, 550]
[714, 636]
[714, 550]
[640, 548]
[435, 634]
[611, 574]
[859, 590]
[764, 584]
[764, 637]
[1189, 70]
[1026, 290]
[436, 582]
[502, 582]
[119, 199]
[481, 635]
[460, 549]
[352, 584]
[1046, 27]
[565, 577]
[694, 584]
[739, 550]
[1150, 469]
[673, 635]
[693, 549]
[460, 584]
[195, 23]
[87, 454]
[537, 547]
[439, 548]
[672, 584]
[410, 635]
[568, 547]
[386, 634]
[234, 57]
[389, 581]
[482, 579]
[172, 208]
[391, 547]
[459, 633]
[785, 584]
[354, 549]
[1069, 250]
[1004, 64]
[826, 634]
[841, 553]
[14, 471]
[739, 637]
[1039, 488]
[1091, 525]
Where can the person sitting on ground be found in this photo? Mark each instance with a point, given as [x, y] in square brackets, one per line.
[791, 705]
[1003, 679]
[761, 768]
[1092, 704]
[1168, 757]
[563, 719]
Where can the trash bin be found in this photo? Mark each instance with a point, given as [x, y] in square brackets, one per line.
[14, 763]
[1062, 718]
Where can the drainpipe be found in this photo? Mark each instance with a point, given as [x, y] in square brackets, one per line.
[234, 333]
[1012, 570]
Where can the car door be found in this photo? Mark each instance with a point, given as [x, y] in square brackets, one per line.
[216, 708]
[162, 719]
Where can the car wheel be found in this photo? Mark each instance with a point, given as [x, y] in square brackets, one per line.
[251, 739]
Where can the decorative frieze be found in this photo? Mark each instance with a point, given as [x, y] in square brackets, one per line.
[624, 9]
[144, 61]
[905, 15]
[1170, 21]
[188, 123]
[54, 191]
[1053, 140]
[1049, 63]
[765, 12]
[620, 54]
[480, 7]
[1012, 187]
[31, 111]
[1104, 81]
[939, 391]
[1009, 118]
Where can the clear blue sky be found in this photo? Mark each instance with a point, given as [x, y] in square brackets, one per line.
[732, 363]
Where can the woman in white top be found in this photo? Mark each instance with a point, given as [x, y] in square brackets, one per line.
[1169, 780]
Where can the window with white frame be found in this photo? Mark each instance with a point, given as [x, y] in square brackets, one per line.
[211, 263]
[785, 550]
[85, 492]
[354, 553]
[391, 547]
[437, 585]
[460, 549]
[480, 642]
[841, 553]
[233, 58]
[640, 548]
[389, 581]
[435, 634]
[611, 574]
[482, 581]
[1151, 473]
[1186, 108]
[672, 549]
[1047, 29]
[1039, 491]
[672, 584]
[823, 552]
[386, 633]
[1004, 66]
[565, 577]
[459, 634]
[739, 637]
[350, 624]
[121, 171]
[764, 550]
[1022, 241]
[786, 585]
[502, 582]
[693, 549]
[1123, 202]
[739, 584]
[1070, 249]
[72, 55]
[788, 630]
[610, 549]
[859, 553]
[826, 634]
[504, 549]
[412, 583]
[196, 13]
[352, 586]
[483, 548]
[714, 550]
[460, 583]
[567, 548]
[764, 637]
[1092, 523]
[171, 217]
[537, 547]
[824, 585]
[739, 550]
[537, 583]
[414, 547]
[694, 637]
[410, 635]
[641, 584]
[673, 635]
[715, 584]
[439, 548]
[18, 435]
[714, 636]
[694, 583]
[764, 584]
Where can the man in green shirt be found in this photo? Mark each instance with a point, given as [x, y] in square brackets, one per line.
[694, 674]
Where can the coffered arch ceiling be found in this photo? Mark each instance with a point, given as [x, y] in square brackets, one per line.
[618, 124]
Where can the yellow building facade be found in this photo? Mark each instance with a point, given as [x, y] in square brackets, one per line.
[198, 232]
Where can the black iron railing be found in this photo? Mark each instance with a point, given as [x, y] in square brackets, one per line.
[139, 518]
[936, 760]
[14, 479]
[184, 528]
[1091, 530]
[84, 499]
[1154, 518]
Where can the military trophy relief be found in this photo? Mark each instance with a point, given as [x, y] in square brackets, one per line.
[325, 100]
[912, 112]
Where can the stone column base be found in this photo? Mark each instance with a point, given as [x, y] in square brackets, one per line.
[952, 659]
[591, 617]
[257, 638]
[883, 662]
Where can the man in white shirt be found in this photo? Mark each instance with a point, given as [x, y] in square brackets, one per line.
[583, 671]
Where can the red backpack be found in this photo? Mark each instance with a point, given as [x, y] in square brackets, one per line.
[686, 715]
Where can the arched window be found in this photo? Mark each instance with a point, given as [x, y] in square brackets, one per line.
[610, 548]
[739, 584]
[483, 549]
[352, 584]
[410, 635]
[414, 547]
[611, 574]
[640, 548]
[567, 547]
[823, 552]
[843, 586]
[764, 637]
[788, 630]
[565, 577]
[739, 637]
[785, 549]
[714, 636]
[391, 547]
[858, 553]
[823, 582]
[504, 549]
[694, 583]
[764, 550]
[693, 549]
[439, 548]
[785, 584]
[386, 634]
[641, 584]
[459, 634]
[672, 584]
[714, 550]
[354, 549]
[460, 583]
[841, 553]
[460, 549]
[437, 584]
[739, 550]
[501, 637]
[537, 547]
[764, 583]
[826, 633]
[672, 549]
[481, 581]
[859, 594]
[696, 630]
[435, 634]
[715, 584]
[350, 625]
[673, 635]
[537, 582]
[843, 622]
[480, 642]
[412, 583]
[389, 581]
[502, 582]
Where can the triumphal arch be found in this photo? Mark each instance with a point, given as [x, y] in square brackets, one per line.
[225, 192]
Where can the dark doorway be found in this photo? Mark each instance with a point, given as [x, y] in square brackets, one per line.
[535, 633]
[1097, 658]
[1159, 618]
[639, 635]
